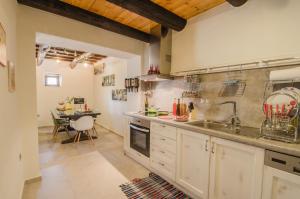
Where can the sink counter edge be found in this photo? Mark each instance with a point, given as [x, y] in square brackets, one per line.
[282, 147]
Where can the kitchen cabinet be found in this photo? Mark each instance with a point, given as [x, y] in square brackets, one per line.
[163, 130]
[279, 184]
[236, 170]
[221, 37]
[193, 162]
[126, 134]
[163, 150]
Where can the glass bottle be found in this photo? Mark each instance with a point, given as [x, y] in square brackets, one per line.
[174, 107]
[178, 108]
[146, 105]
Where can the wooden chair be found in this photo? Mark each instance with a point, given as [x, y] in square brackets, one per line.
[60, 124]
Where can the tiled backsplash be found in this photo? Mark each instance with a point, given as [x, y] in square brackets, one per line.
[249, 106]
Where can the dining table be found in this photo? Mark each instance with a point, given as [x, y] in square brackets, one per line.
[74, 115]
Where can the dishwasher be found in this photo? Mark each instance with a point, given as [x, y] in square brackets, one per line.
[281, 176]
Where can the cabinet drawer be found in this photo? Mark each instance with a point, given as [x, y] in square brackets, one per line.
[164, 130]
[163, 142]
[163, 168]
[163, 155]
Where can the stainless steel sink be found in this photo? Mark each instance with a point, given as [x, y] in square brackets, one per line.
[219, 126]
[209, 124]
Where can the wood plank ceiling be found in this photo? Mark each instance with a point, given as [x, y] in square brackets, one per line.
[64, 54]
[183, 8]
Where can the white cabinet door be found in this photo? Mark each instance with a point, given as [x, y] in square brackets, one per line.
[193, 162]
[236, 170]
[280, 184]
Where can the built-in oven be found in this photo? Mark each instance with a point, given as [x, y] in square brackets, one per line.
[140, 136]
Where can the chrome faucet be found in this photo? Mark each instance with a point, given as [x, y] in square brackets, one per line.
[234, 120]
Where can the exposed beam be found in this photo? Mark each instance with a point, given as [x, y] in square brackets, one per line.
[79, 59]
[237, 3]
[153, 11]
[67, 60]
[64, 54]
[41, 54]
[73, 12]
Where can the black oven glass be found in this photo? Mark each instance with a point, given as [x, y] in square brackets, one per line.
[140, 139]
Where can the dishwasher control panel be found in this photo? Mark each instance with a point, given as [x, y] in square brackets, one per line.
[281, 161]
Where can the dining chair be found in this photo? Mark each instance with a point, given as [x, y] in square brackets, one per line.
[84, 124]
[94, 128]
[60, 124]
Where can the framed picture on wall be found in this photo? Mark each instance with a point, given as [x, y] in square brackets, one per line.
[3, 60]
[11, 77]
[119, 94]
[108, 80]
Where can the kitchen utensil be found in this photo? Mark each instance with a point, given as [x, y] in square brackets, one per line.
[232, 87]
[283, 110]
[162, 113]
[191, 106]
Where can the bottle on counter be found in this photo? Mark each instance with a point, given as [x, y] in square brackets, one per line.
[146, 104]
[182, 108]
[178, 108]
[192, 113]
[174, 107]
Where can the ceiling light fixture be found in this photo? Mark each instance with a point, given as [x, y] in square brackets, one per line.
[57, 60]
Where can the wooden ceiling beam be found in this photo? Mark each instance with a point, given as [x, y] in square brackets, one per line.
[63, 54]
[154, 12]
[41, 53]
[237, 3]
[66, 59]
[63, 9]
[79, 59]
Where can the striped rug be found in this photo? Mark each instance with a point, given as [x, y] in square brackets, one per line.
[152, 187]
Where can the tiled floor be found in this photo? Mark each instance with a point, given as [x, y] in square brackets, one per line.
[82, 171]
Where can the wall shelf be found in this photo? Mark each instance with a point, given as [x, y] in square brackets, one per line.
[289, 61]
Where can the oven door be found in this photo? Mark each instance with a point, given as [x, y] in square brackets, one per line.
[140, 139]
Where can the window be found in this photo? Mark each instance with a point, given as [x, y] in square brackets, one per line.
[53, 80]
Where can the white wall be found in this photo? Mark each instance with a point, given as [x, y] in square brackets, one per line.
[30, 22]
[11, 178]
[111, 111]
[77, 82]
[226, 35]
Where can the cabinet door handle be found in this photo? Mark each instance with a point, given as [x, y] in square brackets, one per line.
[163, 152]
[296, 170]
[213, 148]
[206, 145]
[161, 164]
[163, 139]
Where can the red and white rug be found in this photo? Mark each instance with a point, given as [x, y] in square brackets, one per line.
[152, 187]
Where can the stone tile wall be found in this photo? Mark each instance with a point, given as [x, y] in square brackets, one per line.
[249, 105]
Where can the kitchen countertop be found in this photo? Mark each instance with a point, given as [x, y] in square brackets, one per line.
[282, 147]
